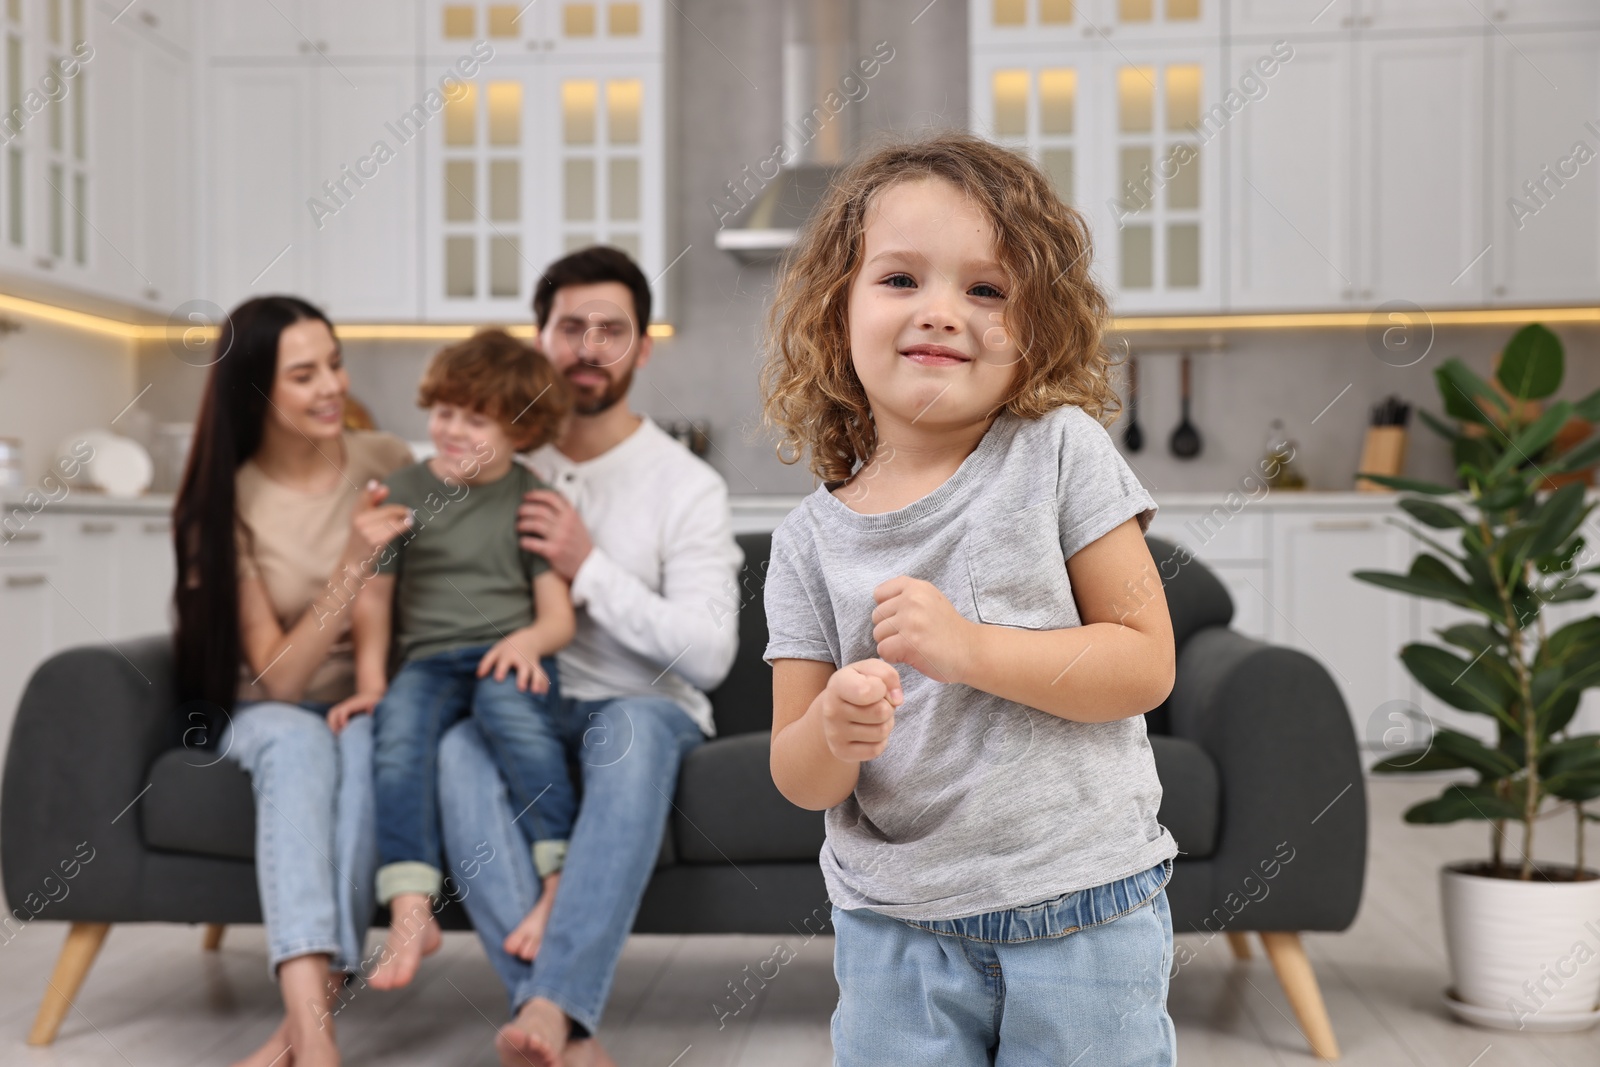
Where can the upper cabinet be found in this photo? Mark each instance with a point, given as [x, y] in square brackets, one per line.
[283, 29]
[1544, 166]
[607, 29]
[1420, 111]
[548, 148]
[1033, 22]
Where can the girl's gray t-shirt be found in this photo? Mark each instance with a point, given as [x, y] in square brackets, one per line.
[978, 803]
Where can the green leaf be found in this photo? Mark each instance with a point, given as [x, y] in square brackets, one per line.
[1463, 802]
[1465, 394]
[1429, 577]
[1569, 591]
[1573, 785]
[1584, 454]
[1432, 513]
[1438, 425]
[1415, 760]
[1409, 485]
[1587, 408]
[1580, 637]
[1474, 754]
[1472, 636]
[1461, 683]
[1532, 439]
[1571, 754]
[1505, 495]
[1558, 518]
[1532, 364]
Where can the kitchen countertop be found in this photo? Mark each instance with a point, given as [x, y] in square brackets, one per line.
[84, 501]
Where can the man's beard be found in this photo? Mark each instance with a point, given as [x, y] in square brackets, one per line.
[585, 403]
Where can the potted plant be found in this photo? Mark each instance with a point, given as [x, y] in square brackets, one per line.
[1523, 937]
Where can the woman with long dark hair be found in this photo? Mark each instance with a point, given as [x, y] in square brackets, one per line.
[276, 522]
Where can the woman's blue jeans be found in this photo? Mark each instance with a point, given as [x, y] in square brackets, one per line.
[316, 852]
[1079, 979]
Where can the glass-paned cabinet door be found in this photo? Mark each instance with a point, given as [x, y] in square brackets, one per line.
[606, 170]
[1191, 20]
[554, 27]
[1031, 101]
[1028, 22]
[481, 189]
[1157, 216]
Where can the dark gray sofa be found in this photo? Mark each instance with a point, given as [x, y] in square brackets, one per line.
[1258, 761]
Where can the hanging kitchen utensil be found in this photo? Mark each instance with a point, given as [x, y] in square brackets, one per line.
[1185, 442]
[1133, 436]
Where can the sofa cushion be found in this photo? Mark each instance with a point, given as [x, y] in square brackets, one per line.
[199, 806]
[729, 810]
[1191, 795]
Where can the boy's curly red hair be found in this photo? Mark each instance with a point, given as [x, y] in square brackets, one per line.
[506, 379]
[1054, 307]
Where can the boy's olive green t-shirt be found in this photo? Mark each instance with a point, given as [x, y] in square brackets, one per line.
[462, 578]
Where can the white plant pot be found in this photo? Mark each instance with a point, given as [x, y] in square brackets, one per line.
[1525, 954]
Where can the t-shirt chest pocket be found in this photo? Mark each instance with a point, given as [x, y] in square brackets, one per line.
[1019, 577]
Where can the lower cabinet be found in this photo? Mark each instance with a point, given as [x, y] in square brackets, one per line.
[76, 578]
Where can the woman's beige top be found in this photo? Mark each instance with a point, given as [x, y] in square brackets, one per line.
[292, 540]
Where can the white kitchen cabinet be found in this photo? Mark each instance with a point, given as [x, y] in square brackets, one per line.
[300, 197]
[1030, 100]
[1419, 15]
[283, 29]
[538, 159]
[1421, 111]
[1231, 541]
[27, 608]
[259, 174]
[169, 21]
[141, 96]
[1354, 629]
[1291, 180]
[1293, 19]
[85, 579]
[147, 577]
[1032, 22]
[1544, 199]
[585, 28]
[1527, 13]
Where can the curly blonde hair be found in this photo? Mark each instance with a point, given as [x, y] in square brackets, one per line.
[811, 394]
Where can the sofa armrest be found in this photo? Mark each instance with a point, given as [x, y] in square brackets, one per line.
[91, 722]
[1292, 843]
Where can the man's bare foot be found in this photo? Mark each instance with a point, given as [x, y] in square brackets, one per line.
[537, 1037]
[413, 934]
[586, 1052]
[274, 1052]
[524, 941]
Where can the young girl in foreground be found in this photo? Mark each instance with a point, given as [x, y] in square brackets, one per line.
[993, 857]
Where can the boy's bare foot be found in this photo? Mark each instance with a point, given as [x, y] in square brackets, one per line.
[586, 1053]
[413, 934]
[523, 942]
[537, 1037]
[274, 1052]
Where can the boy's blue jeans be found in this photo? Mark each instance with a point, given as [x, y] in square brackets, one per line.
[1079, 979]
[425, 699]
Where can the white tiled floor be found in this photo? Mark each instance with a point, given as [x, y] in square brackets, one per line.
[155, 1000]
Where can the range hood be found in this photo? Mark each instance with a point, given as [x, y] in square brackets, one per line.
[818, 51]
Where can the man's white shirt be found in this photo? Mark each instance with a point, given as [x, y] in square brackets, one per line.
[657, 598]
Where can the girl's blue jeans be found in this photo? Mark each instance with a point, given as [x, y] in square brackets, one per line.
[316, 849]
[1077, 980]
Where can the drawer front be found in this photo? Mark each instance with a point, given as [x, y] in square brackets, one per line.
[1215, 533]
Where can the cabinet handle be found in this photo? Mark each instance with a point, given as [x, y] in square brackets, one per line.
[25, 535]
[149, 19]
[152, 293]
[1366, 20]
[98, 527]
[157, 527]
[17, 581]
[1347, 22]
[1499, 290]
[44, 263]
[1366, 294]
[322, 46]
[304, 46]
[1341, 524]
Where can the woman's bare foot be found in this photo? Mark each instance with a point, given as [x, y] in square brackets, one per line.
[413, 934]
[308, 991]
[524, 941]
[274, 1052]
[537, 1037]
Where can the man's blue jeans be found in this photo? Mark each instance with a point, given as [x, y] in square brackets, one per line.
[628, 751]
[427, 696]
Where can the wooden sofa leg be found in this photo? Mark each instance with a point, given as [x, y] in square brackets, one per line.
[72, 966]
[1240, 943]
[213, 938]
[1299, 983]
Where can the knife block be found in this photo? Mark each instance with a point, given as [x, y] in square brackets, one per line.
[1383, 452]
